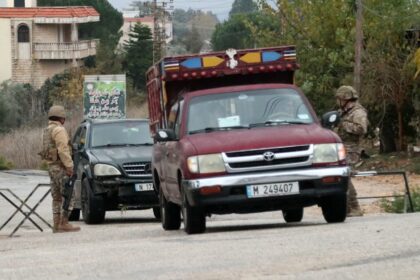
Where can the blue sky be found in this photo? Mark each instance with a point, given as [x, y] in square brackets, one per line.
[219, 7]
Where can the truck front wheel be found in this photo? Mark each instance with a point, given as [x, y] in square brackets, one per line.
[170, 214]
[334, 208]
[194, 217]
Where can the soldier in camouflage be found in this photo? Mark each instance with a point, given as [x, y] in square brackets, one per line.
[57, 153]
[352, 127]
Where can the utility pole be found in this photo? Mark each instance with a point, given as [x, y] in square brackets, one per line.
[161, 11]
[358, 46]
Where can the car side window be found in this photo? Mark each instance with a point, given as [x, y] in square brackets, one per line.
[76, 137]
[82, 139]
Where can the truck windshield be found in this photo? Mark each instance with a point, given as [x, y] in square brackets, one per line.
[247, 109]
[120, 134]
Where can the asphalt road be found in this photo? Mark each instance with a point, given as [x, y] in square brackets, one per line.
[132, 245]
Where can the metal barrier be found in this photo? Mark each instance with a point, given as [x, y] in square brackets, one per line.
[23, 203]
[407, 193]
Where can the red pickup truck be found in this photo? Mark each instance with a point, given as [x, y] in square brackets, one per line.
[234, 135]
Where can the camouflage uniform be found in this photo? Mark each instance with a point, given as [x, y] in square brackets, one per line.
[352, 127]
[57, 154]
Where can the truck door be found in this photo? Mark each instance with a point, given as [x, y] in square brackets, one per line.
[173, 160]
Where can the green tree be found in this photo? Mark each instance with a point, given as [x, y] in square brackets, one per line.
[186, 25]
[242, 31]
[325, 40]
[16, 105]
[138, 55]
[193, 41]
[243, 7]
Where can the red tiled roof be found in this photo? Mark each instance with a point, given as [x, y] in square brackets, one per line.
[140, 19]
[50, 12]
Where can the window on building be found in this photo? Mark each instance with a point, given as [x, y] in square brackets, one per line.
[19, 3]
[23, 34]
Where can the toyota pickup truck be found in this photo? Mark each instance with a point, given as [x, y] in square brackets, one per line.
[233, 134]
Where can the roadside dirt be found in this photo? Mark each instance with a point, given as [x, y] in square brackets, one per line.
[381, 185]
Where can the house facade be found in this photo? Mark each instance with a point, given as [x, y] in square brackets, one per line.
[131, 18]
[39, 42]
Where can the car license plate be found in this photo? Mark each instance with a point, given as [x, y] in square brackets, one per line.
[143, 187]
[276, 189]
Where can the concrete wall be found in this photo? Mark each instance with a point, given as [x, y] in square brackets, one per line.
[5, 50]
[45, 69]
[45, 33]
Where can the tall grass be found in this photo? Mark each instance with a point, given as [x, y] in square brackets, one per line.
[397, 204]
[21, 146]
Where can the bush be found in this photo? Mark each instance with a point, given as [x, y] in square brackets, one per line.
[4, 164]
[397, 204]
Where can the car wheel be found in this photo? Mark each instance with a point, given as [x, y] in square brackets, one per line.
[334, 208]
[170, 214]
[293, 215]
[194, 217]
[157, 213]
[93, 206]
[74, 215]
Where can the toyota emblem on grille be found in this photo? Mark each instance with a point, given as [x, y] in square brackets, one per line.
[147, 168]
[268, 156]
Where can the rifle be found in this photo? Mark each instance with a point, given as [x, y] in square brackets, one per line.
[69, 184]
[68, 191]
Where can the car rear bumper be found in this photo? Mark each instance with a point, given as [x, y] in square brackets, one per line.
[233, 196]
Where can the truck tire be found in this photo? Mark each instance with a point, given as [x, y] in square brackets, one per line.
[74, 215]
[194, 218]
[170, 214]
[293, 215]
[157, 213]
[93, 206]
[334, 208]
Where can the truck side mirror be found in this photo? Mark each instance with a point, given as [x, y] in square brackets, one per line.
[165, 135]
[330, 119]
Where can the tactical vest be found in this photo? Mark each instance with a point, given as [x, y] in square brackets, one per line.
[49, 150]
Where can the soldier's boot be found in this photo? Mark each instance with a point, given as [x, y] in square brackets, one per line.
[66, 227]
[56, 223]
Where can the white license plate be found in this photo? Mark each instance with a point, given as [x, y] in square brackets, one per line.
[276, 189]
[143, 187]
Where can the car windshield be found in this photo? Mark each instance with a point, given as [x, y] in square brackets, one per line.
[121, 134]
[247, 109]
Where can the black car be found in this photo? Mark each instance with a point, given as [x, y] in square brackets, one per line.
[113, 159]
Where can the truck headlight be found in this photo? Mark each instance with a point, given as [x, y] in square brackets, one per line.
[105, 170]
[206, 164]
[324, 153]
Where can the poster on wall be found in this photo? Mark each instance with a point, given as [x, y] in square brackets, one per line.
[104, 97]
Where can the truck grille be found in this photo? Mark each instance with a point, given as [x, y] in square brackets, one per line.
[138, 169]
[268, 159]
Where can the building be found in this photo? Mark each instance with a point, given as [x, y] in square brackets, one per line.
[131, 18]
[39, 42]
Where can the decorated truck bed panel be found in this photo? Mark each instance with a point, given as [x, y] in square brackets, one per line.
[172, 76]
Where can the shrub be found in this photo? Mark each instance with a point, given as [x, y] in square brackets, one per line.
[397, 204]
[4, 164]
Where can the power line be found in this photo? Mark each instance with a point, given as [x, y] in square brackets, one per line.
[161, 9]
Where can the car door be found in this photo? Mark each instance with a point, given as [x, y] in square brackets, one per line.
[173, 156]
[79, 160]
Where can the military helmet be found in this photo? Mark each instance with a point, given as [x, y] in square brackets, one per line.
[346, 93]
[57, 111]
